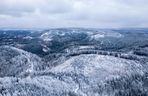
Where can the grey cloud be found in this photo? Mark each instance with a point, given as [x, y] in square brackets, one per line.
[56, 6]
[10, 7]
[93, 13]
[19, 7]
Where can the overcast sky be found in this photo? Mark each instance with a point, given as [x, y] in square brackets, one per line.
[73, 13]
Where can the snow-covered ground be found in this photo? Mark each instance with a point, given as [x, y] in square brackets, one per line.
[73, 62]
[16, 62]
[83, 75]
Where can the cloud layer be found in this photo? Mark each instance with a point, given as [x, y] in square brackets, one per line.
[73, 13]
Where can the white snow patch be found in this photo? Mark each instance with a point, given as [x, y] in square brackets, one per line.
[28, 37]
[46, 36]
